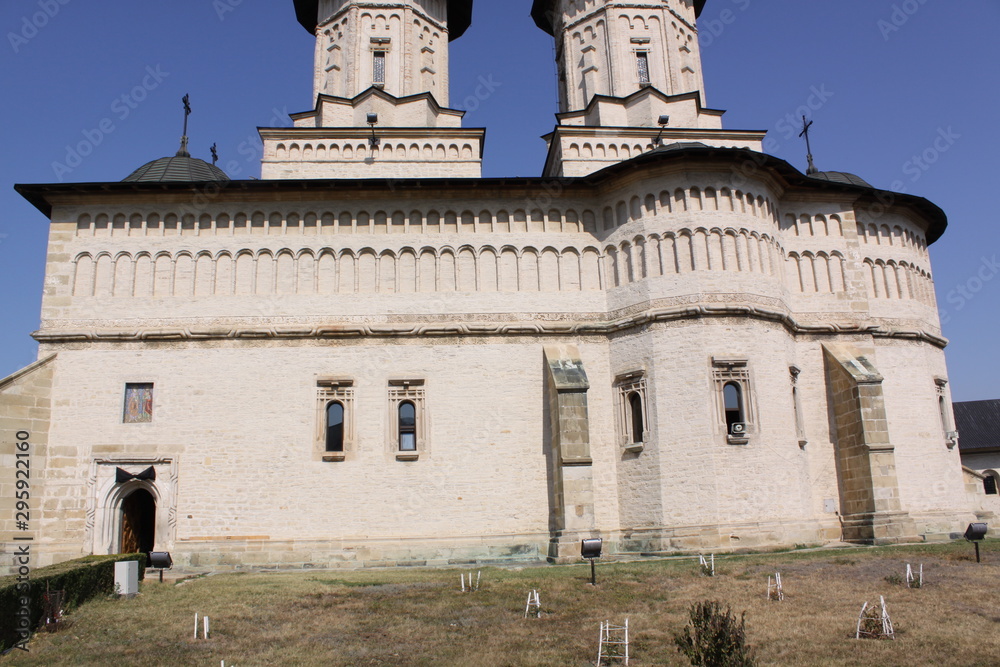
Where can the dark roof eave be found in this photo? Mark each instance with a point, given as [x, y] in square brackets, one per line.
[38, 195]
[459, 16]
[542, 14]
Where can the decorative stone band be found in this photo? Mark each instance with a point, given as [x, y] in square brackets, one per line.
[487, 329]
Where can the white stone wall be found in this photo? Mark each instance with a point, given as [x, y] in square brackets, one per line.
[234, 308]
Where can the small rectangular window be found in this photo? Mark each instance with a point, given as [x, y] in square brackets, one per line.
[138, 403]
[642, 64]
[378, 68]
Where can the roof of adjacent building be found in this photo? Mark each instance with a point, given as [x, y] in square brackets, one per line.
[177, 169]
[978, 425]
[542, 11]
[459, 16]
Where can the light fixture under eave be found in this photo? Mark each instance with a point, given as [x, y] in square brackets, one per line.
[373, 141]
[663, 121]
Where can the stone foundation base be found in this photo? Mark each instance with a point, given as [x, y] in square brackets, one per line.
[250, 553]
[726, 537]
[880, 528]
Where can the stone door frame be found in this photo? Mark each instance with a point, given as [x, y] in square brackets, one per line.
[105, 497]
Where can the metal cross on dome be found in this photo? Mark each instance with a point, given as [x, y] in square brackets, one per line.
[806, 124]
[183, 152]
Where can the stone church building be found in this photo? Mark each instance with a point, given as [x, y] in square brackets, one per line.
[373, 355]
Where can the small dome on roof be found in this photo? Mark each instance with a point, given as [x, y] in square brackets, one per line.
[677, 145]
[178, 169]
[841, 177]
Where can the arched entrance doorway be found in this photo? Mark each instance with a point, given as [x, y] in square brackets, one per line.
[138, 523]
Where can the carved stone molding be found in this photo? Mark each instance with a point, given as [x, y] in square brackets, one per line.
[105, 496]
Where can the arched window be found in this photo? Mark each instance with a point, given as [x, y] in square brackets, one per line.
[335, 427]
[732, 395]
[990, 484]
[407, 427]
[635, 410]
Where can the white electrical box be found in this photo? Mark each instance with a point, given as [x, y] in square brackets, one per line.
[127, 578]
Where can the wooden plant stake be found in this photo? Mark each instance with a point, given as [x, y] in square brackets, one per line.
[534, 605]
[775, 591]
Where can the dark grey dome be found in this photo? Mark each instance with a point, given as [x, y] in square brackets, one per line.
[179, 169]
[840, 177]
[677, 145]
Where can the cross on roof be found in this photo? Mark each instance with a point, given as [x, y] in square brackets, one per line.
[183, 152]
[806, 124]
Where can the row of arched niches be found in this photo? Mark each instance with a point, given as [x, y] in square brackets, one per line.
[715, 230]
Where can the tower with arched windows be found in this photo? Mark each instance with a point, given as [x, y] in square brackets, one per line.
[630, 79]
[381, 90]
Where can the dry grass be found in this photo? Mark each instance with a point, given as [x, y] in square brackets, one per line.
[418, 617]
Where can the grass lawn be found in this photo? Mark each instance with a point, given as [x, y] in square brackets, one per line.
[419, 617]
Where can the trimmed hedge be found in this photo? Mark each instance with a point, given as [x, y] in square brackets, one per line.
[82, 579]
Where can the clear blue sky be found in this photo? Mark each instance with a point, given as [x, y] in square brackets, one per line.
[890, 94]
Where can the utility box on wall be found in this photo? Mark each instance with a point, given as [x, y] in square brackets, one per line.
[127, 578]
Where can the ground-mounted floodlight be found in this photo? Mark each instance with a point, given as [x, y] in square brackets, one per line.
[373, 141]
[160, 560]
[976, 533]
[591, 550]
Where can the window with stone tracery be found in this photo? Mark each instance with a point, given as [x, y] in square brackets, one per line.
[334, 418]
[633, 412]
[378, 68]
[642, 65]
[734, 398]
[407, 419]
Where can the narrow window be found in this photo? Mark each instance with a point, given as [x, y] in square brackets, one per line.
[335, 427]
[334, 419]
[642, 64]
[138, 407]
[733, 397]
[990, 484]
[943, 410]
[407, 427]
[635, 408]
[378, 68]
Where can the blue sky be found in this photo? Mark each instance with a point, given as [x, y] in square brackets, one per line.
[889, 83]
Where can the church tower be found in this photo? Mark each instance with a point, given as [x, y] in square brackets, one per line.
[607, 49]
[381, 87]
[630, 81]
[399, 47]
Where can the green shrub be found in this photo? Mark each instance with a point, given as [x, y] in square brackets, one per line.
[81, 579]
[715, 638]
